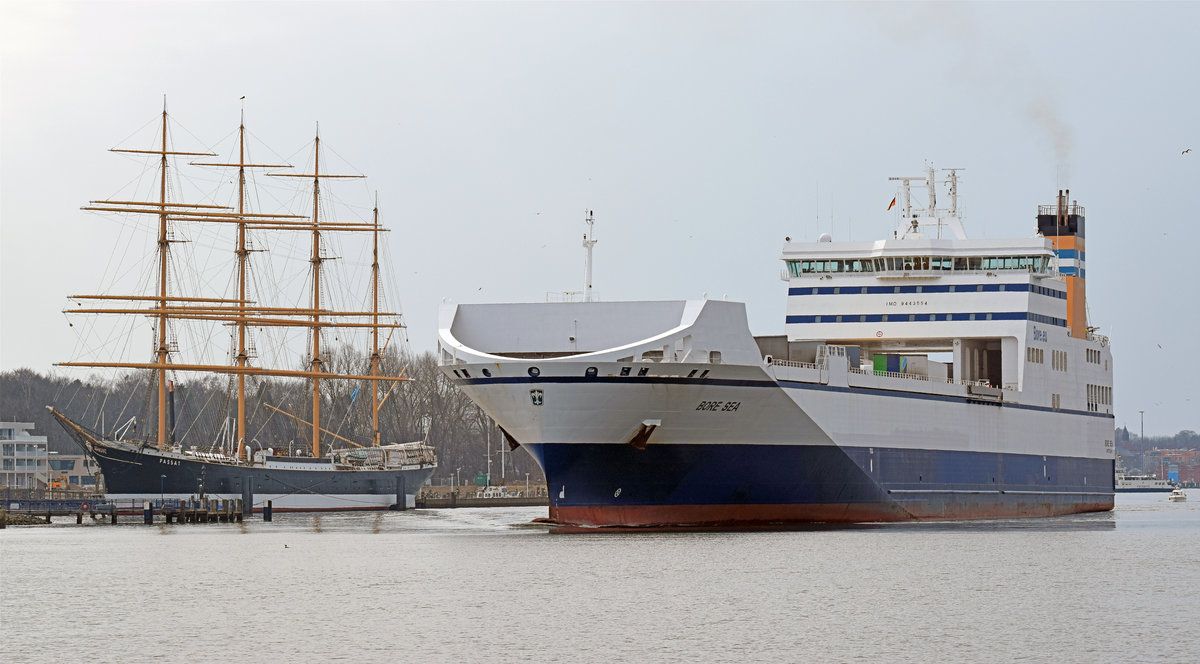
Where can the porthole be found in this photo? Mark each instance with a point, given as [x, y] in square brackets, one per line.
[534, 372]
[590, 372]
[487, 373]
[625, 371]
[643, 371]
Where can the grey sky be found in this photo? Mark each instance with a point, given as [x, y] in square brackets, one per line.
[701, 134]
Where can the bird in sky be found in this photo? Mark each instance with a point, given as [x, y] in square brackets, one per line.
[1186, 151]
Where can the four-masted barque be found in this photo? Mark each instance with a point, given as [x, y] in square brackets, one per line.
[354, 476]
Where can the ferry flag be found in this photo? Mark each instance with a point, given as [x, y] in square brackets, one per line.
[892, 204]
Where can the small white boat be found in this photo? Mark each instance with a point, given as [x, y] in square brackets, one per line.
[1178, 495]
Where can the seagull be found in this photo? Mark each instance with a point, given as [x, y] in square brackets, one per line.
[1186, 151]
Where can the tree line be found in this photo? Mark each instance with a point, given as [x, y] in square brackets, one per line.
[426, 407]
[1184, 440]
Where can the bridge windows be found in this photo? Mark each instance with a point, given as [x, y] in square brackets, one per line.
[917, 264]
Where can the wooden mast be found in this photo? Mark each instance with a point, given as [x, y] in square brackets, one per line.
[164, 210]
[316, 260]
[162, 287]
[375, 326]
[242, 219]
[316, 298]
[242, 255]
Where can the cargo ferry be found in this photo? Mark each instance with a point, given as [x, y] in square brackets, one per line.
[924, 376]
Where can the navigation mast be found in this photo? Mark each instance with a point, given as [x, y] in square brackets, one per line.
[589, 241]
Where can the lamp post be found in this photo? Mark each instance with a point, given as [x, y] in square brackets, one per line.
[526, 485]
[162, 480]
[1142, 417]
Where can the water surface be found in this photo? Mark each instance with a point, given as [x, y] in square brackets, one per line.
[485, 584]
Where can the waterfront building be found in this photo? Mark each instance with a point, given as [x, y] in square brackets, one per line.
[23, 456]
[72, 471]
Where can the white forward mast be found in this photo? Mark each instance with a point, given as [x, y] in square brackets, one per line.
[589, 241]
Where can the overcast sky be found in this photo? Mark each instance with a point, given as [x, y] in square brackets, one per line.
[701, 135]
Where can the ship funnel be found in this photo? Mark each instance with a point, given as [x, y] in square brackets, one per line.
[1063, 224]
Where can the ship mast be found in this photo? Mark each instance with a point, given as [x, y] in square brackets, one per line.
[316, 298]
[375, 325]
[589, 241]
[163, 252]
[315, 370]
[243, 259]
[161, 350]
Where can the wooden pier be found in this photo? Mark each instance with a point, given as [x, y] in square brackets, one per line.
[204, 510]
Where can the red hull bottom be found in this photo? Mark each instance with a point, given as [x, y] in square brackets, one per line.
[764, 515]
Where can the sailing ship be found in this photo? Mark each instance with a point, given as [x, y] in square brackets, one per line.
[354, 476]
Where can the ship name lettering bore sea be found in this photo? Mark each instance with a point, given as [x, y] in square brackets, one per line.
[719, 406]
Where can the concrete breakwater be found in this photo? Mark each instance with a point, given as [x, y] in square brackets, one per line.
[517, 495]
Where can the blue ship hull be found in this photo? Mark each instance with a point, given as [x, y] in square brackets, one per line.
[746, 484]
[132, 473]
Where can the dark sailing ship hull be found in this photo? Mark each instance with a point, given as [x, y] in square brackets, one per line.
[135, 474]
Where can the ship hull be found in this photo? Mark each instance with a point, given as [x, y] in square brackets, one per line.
[731, 485]
[759, 451]
[133, 474]
[671, 414]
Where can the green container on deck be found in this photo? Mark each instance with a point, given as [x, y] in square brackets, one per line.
[880, 363]
[481, 480]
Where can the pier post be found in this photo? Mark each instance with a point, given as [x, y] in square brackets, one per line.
[248, 497]
[401, 496]
[3, 519]
[112, 513]
[147, 513]
[267, 511]
[79, 518]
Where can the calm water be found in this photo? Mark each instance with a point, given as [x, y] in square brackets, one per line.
[474, 585]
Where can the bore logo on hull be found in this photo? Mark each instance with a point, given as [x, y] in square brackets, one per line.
[537, 397]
